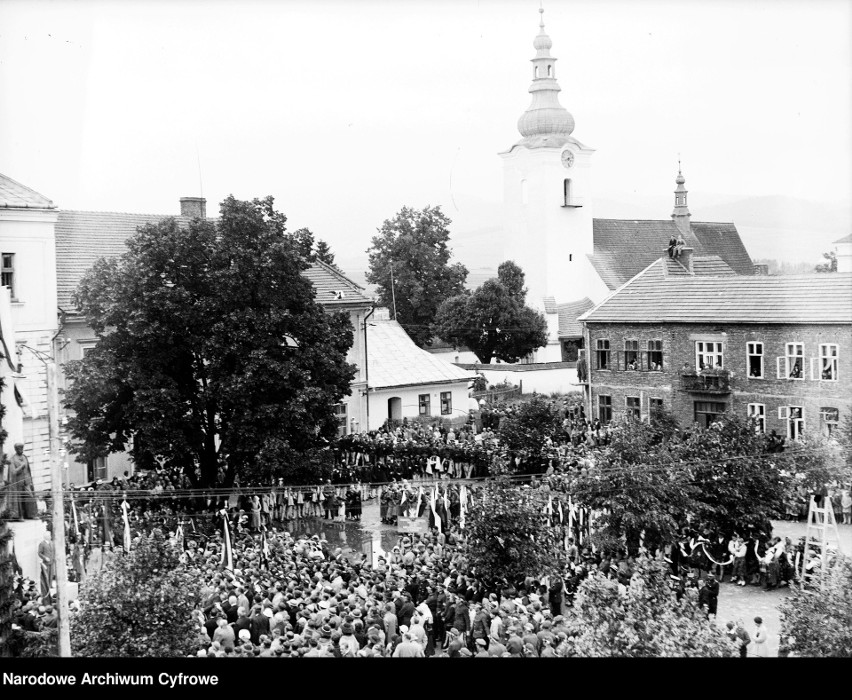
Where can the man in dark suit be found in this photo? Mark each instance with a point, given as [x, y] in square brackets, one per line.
[243, 622]
[259, 625]
[406, 611]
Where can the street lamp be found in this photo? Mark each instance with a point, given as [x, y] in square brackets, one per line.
[62, 622]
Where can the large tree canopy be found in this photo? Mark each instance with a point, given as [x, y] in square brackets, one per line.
[723, 477]
[817, 618]
[194, 362]
[410, 263]
[507, 535]
[493, 321]
[642, 619]
[142, 603]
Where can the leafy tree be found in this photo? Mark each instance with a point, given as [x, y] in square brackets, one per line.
[493, 321]
[322, 252]
[642, 619]
[140, 604]
[830, 266]
[739, 487]
[278, 460]
[412, 247]
[192, 362]
[507, 535]
[512, 278]
[817, 619]
[529, 427]
[637, 485]
[650, 480]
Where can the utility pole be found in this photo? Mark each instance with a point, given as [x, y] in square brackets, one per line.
[60, 566]
[393, 291]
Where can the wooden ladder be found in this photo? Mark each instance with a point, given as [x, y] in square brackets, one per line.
[821, 535]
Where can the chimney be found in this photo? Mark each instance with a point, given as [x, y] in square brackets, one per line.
[193, 207]
[685, 259]
[761, 268]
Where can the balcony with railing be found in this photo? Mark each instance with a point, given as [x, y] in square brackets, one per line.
[715, 381]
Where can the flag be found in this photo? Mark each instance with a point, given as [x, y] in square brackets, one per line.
[264, 548]
[549, 509]
[462, 505]
[561, 516]
[227, 554]
[76, 521]
[179, 535]
[570, 516]
[124, 508]
[432, 501]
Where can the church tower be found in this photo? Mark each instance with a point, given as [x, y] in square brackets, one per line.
[547, 191]
[680, 214]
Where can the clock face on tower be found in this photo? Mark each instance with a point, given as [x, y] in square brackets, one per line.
[567, 158]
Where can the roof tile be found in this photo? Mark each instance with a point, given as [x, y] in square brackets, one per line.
[395, 360]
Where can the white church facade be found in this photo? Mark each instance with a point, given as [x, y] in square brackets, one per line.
[572, 261]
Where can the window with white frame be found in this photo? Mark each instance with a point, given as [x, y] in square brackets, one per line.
[826, 368]
[757, 412]
[424, 404]
[8, 273]
[446, 403]
[791, 365]
[708, 354]
[755, 360]
[794, 417]
[829, 419]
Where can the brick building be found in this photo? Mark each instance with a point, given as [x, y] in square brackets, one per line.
[700, 340]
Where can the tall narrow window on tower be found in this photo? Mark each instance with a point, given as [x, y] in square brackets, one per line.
[566, 187]
[549, 70]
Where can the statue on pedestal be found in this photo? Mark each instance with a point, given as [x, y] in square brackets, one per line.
[18, 486]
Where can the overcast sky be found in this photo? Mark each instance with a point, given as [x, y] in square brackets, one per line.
[346, 111]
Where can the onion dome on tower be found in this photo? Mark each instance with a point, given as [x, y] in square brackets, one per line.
[546, 122]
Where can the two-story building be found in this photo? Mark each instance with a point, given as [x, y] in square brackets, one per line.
[82, 237]
[29, 317]
[691, 336]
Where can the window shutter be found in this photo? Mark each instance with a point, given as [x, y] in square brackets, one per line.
[780, 364]
[782, 412]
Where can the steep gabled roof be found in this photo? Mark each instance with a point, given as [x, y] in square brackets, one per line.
[624, 247]
[395, 360]
[845, 239]
[334, 289]
[82, 237]
[724, 240]
[14, 195]
[654, 297]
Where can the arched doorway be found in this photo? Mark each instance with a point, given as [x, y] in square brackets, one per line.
[395, 408]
